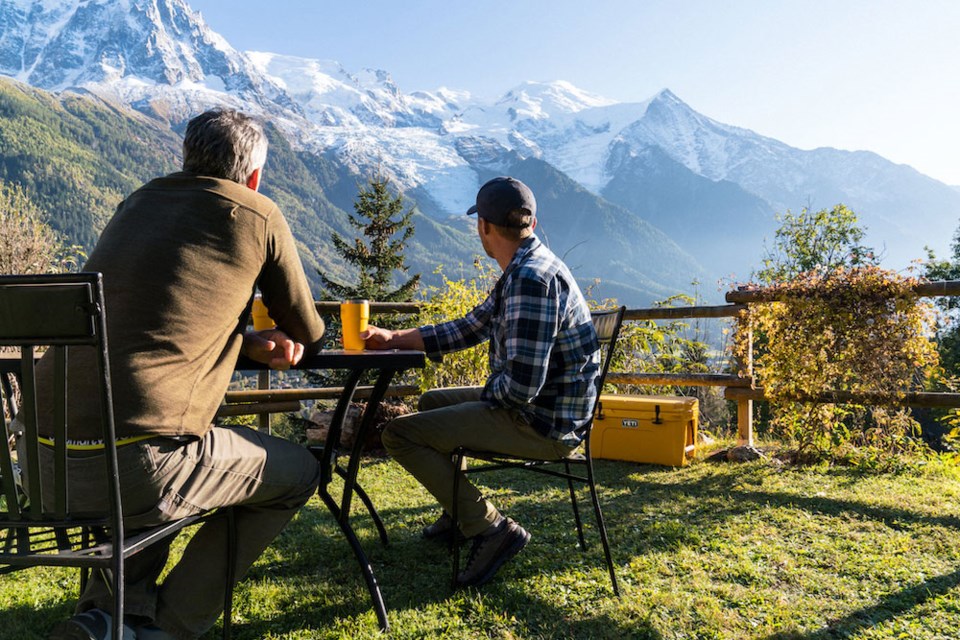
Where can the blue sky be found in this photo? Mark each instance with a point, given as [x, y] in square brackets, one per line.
[880, 75]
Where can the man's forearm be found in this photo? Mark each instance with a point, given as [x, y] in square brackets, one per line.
[406, 339]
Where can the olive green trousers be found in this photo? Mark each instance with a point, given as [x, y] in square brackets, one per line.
[265, 479]
[423, 442]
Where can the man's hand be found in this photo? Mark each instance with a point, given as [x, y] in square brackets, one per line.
[377, 338]
[272, 347]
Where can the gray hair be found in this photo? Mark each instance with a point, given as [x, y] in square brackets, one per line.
[224, 143]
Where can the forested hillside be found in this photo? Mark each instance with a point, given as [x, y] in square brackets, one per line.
[76, 158]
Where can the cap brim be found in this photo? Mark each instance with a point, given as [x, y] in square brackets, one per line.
[472, 210]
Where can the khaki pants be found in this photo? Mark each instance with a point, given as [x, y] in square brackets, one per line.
[266, 479]
[449, 418]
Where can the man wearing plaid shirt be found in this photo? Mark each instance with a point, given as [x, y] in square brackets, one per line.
[544, 361]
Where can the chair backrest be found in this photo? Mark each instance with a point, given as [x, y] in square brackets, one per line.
[53, 315]
[607, 325]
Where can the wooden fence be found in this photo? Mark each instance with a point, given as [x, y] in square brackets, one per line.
[265, 400]
[738, 387]
[745, 393]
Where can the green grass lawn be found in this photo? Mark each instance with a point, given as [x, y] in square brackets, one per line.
[752, 550]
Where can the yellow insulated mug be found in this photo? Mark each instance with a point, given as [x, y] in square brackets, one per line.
[261, 318]
[354, 315]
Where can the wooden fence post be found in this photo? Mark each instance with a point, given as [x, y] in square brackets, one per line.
[745, 406]
[263, 419]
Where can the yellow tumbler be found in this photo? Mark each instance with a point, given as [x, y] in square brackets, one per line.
[354, 315]
[261, 317]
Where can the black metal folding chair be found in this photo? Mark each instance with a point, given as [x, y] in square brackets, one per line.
[607, 324]
[55, 314]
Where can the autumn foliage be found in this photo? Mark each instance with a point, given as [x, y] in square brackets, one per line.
[846, 334]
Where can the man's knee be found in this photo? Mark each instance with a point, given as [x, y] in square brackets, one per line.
[430, 400]
[391, 438]
[404, 433]
[295, 466]
[311, 476]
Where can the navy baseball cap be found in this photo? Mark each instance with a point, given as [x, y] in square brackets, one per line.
[498, 197]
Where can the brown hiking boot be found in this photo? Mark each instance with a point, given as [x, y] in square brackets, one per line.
[490, 551]
[94, 624]
[441, 530]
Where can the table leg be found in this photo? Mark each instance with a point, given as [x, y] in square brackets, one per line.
[329, 460]
[378, 605]
[341, 511]
[263, 419]
[366, 421]
[368, 503]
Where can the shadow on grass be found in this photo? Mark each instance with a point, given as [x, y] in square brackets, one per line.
[319, 582]
[739, 499]
[887, 608]
[321, 585]
[414, 575]
[26, 622]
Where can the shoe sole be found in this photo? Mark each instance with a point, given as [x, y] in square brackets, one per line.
[507, 555]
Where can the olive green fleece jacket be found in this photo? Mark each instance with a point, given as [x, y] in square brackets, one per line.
[181, 259]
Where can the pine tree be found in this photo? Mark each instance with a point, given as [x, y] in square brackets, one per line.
[378, 252]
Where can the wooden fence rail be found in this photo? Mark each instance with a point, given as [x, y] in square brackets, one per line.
[738, 387]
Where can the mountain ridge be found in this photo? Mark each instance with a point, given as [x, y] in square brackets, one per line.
[713, 188]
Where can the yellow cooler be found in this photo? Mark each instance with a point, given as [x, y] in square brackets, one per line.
[652, 429]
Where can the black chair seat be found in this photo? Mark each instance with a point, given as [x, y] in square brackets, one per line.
[501, 461]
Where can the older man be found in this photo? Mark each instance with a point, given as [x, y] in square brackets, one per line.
[544, 360]
[181, 259]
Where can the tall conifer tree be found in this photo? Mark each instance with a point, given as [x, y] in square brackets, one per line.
[378, 252]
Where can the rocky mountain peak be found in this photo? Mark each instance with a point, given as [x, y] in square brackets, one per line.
[61, 44]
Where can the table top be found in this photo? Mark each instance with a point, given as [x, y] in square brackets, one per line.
[340, 359]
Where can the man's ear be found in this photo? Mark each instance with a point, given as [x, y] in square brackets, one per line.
[254, 180]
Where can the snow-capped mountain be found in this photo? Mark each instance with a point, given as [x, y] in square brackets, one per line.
[133, 50]
[730, 180]
[711, 187]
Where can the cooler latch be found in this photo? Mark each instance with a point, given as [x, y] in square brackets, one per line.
[656, 414]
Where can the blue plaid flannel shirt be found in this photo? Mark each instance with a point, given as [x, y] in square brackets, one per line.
[543, 350]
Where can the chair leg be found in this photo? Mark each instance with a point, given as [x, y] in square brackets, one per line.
[455, 515]
[601, 526]
[87, 535]
[118, 591]
[576, 508]
[231, 573]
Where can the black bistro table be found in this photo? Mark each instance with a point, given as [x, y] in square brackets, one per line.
[387, 364]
